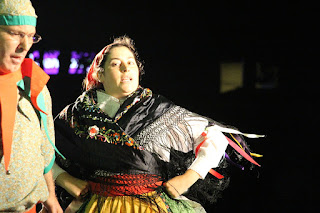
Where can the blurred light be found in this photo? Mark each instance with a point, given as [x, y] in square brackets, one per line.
[80, 62]
[231, 76]
[35, 55]
[51, 62]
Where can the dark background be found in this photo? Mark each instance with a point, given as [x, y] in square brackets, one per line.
[182, 44]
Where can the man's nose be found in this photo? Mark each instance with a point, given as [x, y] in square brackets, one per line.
[25, 43]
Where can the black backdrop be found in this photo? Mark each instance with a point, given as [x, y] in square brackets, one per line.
[182, 44]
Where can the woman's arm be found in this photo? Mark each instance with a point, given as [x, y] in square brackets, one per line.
[74, 186]
[209, 148]
[180, 184]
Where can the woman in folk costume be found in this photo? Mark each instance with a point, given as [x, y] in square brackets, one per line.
[130, 150]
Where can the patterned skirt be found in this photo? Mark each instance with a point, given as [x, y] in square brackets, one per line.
[132, 194]
[129, 204]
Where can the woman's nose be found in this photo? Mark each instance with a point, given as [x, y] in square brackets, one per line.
[124, 68]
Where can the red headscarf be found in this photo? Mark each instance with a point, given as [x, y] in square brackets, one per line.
[92, 82]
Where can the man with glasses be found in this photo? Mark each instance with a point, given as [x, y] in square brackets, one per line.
[26, 133]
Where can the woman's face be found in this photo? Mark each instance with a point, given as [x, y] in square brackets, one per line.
[121, 73]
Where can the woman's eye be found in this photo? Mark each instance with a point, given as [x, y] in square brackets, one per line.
[114, 64]
[131, 62]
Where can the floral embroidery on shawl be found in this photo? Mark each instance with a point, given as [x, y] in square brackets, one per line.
[88, 111]
[109, 136]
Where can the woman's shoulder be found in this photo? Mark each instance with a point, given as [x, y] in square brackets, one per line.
[85, 98]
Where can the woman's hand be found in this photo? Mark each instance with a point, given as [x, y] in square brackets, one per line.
[74, 186]
[180, 184]
[74, 206]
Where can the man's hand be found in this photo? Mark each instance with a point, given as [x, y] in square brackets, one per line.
[51, 204]
[180, 184]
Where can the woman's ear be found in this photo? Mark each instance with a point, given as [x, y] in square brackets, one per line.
[100, 76]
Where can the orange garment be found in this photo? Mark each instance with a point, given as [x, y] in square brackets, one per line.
[33, 210]
[8, 99]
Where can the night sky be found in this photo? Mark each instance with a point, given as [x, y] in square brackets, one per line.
[182, 44]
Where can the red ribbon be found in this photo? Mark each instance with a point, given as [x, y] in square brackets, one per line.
[233, 145]
[211, 171]
[241, 151]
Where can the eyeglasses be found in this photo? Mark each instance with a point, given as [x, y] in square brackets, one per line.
[18, 35]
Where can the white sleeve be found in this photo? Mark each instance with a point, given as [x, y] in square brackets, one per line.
[56, 171]
[210, 152]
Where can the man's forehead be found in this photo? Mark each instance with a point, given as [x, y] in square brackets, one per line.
[20, 28]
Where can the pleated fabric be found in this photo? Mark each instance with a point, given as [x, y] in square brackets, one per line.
[123, 204]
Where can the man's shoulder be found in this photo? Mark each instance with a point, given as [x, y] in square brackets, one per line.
[46, 93]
